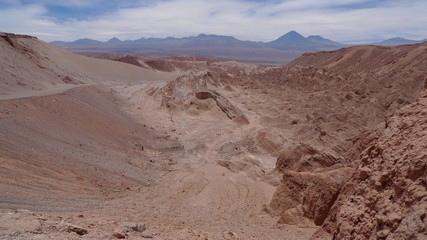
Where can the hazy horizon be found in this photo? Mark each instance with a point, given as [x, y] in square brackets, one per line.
[348, 21]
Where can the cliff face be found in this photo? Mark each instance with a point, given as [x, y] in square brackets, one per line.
[386, 198]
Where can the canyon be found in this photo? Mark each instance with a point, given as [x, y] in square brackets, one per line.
[331, 145]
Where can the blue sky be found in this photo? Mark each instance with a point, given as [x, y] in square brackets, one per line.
[258, 20]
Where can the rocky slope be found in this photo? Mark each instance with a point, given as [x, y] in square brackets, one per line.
[302, 190]
[386, 198]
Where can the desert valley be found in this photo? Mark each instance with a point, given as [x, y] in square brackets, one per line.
[332, 145]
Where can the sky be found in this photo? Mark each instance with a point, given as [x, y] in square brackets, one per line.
[347, 21]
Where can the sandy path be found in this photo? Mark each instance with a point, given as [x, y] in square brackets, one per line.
[46, 92]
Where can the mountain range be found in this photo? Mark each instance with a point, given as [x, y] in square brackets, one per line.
[280, 51]
[398, 41]
[290, 41]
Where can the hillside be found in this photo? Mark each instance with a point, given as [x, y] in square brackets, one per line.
[52, 98]
[31, 67]
[361, 59]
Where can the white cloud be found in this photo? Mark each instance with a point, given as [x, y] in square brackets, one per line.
[247, 20]
[25, 19]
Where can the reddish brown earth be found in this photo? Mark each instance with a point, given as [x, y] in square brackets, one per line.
[386, 198]
[164, 64]
[331, 146]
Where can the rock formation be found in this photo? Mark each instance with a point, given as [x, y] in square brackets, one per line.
[386, 198]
